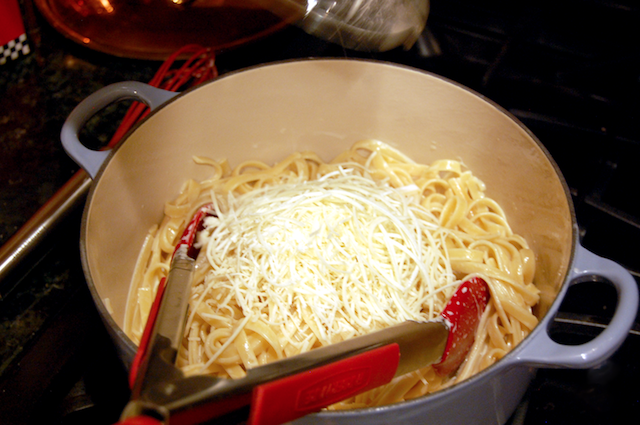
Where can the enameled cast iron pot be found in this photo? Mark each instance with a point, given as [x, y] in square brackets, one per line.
[270, 111]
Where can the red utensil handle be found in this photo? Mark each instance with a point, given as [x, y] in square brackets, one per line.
[139, 420]
[146, 334]
[289, 398]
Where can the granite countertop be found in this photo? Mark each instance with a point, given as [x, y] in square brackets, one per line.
[37, 92]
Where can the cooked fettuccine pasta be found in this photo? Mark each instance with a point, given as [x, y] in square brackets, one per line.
[307, 253]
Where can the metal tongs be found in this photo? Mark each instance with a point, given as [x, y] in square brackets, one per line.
[286, 389]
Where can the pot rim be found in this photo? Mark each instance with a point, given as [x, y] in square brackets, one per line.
[509, 360]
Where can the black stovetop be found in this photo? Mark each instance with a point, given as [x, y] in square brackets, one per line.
[568, 70]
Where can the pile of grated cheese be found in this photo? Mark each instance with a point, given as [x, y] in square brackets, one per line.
[327, 259]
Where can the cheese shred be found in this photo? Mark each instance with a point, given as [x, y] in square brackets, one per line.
[358, 254]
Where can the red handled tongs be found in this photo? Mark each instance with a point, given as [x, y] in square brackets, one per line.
[287, 389]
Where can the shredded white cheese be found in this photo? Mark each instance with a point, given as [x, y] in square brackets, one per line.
[332, 258]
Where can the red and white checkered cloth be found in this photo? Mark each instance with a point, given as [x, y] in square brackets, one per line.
[13, 37]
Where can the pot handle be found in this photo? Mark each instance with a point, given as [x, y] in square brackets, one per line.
[91, 160]
[542, 351]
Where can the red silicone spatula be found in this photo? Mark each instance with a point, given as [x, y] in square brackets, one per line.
[462, 315]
